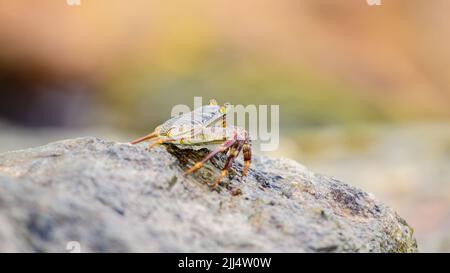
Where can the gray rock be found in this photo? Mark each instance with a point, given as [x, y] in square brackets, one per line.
[115, 197]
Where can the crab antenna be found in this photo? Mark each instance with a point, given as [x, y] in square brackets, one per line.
[144, 138]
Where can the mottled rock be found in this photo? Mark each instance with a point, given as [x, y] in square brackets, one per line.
[115, 197]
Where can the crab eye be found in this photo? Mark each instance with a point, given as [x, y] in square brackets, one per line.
[224, 109]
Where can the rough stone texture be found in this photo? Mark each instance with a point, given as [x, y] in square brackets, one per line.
[115, 197]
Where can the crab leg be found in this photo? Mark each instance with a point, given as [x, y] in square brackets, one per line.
[247, 150]
[234, 152]
[159, 142]
[222, 148]
[144, 138]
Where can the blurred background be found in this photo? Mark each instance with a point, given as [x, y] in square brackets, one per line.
[363, 90]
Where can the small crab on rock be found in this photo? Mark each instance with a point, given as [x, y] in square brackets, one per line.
[205, 125]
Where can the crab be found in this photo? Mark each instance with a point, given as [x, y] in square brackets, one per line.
[205, 125]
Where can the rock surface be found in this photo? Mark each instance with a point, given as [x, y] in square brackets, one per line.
[115, 197]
